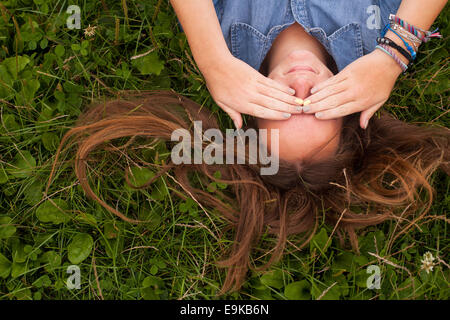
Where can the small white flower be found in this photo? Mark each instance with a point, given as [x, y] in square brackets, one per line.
[427, 262]
[89, 31]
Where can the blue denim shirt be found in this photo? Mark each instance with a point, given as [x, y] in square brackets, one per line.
[346, 28]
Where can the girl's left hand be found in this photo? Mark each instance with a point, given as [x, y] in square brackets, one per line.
[364, 85]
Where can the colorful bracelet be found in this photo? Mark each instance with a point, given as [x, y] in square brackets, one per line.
[387, 41]
[404, 30]
[416, 42]
[407, 45]
[423, 35]
[389, 52]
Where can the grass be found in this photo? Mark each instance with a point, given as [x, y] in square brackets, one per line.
[49, 72]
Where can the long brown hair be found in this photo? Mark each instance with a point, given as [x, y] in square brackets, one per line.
[381, 170]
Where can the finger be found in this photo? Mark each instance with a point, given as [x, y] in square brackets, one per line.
[331, 102]
[328, 91]
[276, 104]
[234, 115]
[367, 114]
[339, 112]
[276, 85]
[333, 80]
[266, 113]
[280, 96]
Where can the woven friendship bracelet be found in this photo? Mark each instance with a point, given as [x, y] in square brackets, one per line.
[423, 35]
[407, 45]
[389, 52]
[404, 30]
[416, 42]
[387, 41]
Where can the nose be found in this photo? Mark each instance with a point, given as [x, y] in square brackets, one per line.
[302, 87]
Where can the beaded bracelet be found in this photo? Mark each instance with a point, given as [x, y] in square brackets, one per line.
[391, 53]
[404, 30]
[423, 35]
[387, 41]
[407, 45]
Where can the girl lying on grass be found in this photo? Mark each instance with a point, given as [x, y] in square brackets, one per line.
[354, 175]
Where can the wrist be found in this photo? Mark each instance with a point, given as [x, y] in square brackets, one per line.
[393, 37]
[387, 64]
[210, 60]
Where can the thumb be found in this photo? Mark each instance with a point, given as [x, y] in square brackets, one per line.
[367, 114]
[234, 115]
[237, 119]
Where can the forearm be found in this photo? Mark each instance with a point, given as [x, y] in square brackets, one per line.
[202, 29]
[419, 13]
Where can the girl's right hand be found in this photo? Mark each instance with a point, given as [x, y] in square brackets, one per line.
[238, 88]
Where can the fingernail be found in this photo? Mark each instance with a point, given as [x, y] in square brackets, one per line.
[299, 101]
[291, 91]
[306, 109]
[299, 109]
[286, 115]
[313, 90]
[318, 114]
[235, 124]
[366, 124]
[306, 102]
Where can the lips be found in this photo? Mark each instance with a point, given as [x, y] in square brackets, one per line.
[301, 68]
